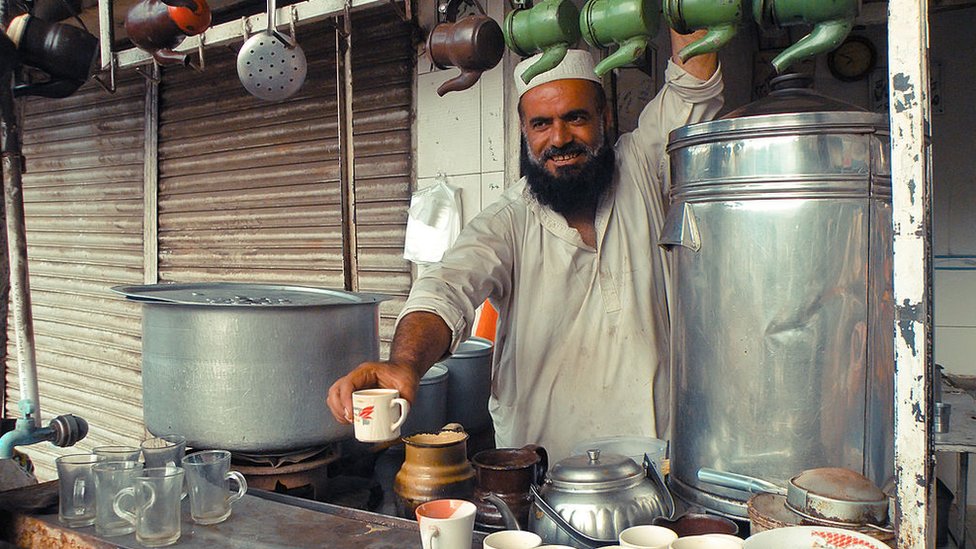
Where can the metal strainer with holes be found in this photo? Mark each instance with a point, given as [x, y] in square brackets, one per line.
[271, 66]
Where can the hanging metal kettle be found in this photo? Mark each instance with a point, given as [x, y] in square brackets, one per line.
[473, 44]
[158, 26]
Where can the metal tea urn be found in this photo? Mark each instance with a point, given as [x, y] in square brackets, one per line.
[779, 234]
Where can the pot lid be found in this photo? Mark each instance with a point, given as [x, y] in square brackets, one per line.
[243, 295]
[791, 106]
[792, 93]
[595, 467]
[837, 494]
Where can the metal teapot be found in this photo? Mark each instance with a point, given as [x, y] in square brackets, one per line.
[474, 44]
[832, 20]
[586, 501]
[158, 26]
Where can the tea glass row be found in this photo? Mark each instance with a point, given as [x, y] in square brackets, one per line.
[111, 489]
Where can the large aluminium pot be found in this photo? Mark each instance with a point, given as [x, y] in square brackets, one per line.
[780, 241]
[246, 367]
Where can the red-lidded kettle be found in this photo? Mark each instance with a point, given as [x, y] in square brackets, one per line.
[158, 26]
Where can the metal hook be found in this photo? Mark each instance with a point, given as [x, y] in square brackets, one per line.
[150, 77]
[202, 65]
[246, 27]
[291, 24]
[110, 88]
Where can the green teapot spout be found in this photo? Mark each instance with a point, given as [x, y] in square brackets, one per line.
[551, 57]
[824, 37]
[714, 39]
[627, 53]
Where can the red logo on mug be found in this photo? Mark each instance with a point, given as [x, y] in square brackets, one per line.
[366, 413]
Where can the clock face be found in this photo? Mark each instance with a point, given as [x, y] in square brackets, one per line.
[853, 59]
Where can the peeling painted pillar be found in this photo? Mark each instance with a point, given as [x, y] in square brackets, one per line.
[908, 82]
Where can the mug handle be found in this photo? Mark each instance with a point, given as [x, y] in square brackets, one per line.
[431, 539]
[131, 492]
[241, 485]
[404, 410]
[78, 492]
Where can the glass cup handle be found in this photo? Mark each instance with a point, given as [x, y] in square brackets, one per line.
[78, 493]
[241, 485]
[404, 410]
[117, 504]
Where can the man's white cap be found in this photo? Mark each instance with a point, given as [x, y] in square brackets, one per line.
[578, 64]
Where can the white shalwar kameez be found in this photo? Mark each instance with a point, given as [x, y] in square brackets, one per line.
[581, 349]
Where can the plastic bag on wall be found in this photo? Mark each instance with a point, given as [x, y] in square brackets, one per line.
[434, 222]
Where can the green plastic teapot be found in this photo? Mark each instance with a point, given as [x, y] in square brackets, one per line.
[720, 17]
[832, 21]
[631, 24]
[551, 27]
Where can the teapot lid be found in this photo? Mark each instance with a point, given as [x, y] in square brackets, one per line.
[595, 467]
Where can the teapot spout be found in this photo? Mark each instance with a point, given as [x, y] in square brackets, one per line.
[461, 82]
[552, 57]
[824, 37]
[511, 523]
[711, 42]
[627, 53]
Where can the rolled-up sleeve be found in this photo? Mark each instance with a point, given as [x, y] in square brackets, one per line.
[479, 265]
[683, 100]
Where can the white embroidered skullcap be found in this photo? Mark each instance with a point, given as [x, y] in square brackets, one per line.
[577, 64]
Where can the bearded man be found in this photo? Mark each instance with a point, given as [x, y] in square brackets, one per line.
[569, 258]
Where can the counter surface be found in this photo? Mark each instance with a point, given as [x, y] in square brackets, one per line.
[260, 520]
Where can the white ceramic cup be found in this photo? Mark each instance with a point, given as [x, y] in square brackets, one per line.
[704, 542]
[734, 539]
[512, 539]
[647, 536]
[374, 416]
[446, 523]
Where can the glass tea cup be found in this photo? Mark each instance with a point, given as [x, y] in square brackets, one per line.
[207, 476]
[164, 450]
[117, 453]
[76, 489]
[155, 505]
[111, 477]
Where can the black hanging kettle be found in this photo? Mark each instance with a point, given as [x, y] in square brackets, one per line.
[67, 54]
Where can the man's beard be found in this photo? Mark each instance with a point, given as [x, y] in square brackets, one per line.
[575, 189]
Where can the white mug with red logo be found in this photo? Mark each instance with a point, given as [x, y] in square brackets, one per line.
[378, 414]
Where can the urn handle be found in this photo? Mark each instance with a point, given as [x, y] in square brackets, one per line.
[680, 229]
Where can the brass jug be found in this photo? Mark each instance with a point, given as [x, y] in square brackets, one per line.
[435, 467]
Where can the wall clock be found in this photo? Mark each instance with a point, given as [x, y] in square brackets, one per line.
[852, 60]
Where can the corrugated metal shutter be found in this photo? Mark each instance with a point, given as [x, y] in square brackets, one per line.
[249, 190]
[83, 205]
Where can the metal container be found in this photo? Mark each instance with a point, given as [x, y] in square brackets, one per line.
[596, 496]
[469, 384]
[429, 409]
[246, 367]
[780, 239]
